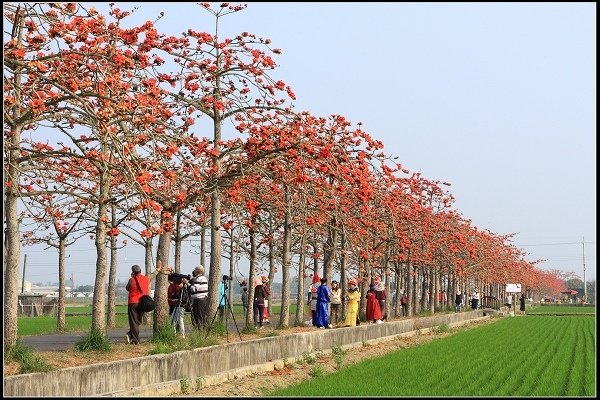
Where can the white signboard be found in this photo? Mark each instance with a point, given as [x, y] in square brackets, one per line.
[513, 288]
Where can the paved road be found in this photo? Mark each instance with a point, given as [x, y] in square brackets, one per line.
[66, 341]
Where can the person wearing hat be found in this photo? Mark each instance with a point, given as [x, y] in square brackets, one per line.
[373, 312]
[316, 282]
[265, 282]
[336, 302]
[323, 300]
[381, 296]
[259, 303]
[353, 297]
[137, 286]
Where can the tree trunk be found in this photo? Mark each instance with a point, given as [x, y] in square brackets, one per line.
[364, 285]
[424, 286]
[271, 275]
[112, 273]
[11, 272]
[300, 296]
[231, 265]
[98, 310]
[11, 194]
[388, 292]
[178, 254]
[315, 259]
[343, 276]
[178, 239]
[284, 320]
[161, 305]
[251, 278]
[203, 245]
[433, 294]
[148, 256]
[410, 288]
[60, 316]
[214, 277]
[397, 289]
[329, 252]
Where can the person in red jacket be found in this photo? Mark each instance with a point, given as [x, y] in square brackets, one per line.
[373, 310]
[137, 286]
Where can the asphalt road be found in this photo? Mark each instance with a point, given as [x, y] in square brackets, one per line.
[66, 341]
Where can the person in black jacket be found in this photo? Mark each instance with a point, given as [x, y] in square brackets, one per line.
[458, 300]
[259, 303]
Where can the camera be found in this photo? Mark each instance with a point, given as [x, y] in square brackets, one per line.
[227, 278]
[177, 278]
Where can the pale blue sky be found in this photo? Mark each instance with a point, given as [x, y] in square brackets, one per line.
[498, 99]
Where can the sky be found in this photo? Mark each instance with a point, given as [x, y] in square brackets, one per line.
[498, 99]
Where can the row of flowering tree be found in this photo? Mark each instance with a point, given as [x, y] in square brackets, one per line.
[124, 132]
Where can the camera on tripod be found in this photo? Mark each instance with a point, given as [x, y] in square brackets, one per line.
[227, 278]
[177, 278]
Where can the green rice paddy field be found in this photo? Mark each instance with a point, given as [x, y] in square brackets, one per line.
[519, 356]
[562, 309]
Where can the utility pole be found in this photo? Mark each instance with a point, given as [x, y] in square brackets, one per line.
[584, 284]
[23, 280]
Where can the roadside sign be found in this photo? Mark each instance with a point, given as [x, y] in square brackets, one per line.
[513, 288]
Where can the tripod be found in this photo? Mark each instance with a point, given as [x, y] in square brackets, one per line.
[228, 305]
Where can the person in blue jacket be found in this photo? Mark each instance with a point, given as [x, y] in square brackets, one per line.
[323, 300]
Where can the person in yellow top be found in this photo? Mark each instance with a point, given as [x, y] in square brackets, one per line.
[353, 297]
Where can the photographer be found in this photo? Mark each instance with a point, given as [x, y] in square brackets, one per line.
[175, 297]
[199, 296]
[137, 286]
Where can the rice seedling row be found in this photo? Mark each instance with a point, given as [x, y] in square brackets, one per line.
[523, 356]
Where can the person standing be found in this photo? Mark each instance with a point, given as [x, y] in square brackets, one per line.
[443, 299]
[259, 303]
[353, 297]
[508, 301]
[522, 306]
[458, 301]
[176, 308]
[265, 282]
[323, 300]
[475, 299]
[404, 304]
[199, 297]
[137, 286]
[313, 297]
[373, 311]
[336, 302]
[381, 297]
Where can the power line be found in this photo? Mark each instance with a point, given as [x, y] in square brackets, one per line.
[551, 244]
